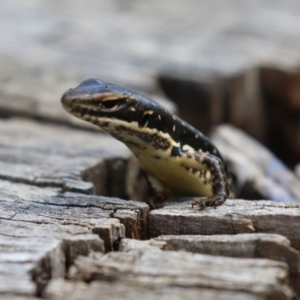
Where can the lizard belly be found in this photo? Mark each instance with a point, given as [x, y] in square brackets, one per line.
[172, 173]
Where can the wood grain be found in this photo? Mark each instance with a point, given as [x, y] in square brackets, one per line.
[235, 216]
[152, 268]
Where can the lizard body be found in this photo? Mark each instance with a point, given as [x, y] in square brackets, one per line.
[177, 157]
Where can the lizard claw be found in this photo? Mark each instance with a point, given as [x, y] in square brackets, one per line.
[212, 201]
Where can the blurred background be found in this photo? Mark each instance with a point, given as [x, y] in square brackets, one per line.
[229, 61]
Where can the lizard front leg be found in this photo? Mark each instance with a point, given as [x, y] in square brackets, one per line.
[206, 162]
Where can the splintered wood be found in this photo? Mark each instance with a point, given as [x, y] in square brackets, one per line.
[47, 216]
[144, 268]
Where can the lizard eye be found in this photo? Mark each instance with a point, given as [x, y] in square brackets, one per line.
[110, 104]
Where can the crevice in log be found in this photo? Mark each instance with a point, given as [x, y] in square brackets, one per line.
[57, 262]
[118, 177]
[108, 178]
[42, 274]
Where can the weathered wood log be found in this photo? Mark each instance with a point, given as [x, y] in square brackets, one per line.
[13, 297]
[36, 205]
[255, 245]
[150, 267]
[60, 289]
[281, 95]
[58, 156]
[297, 170]
[28, 263]
[59, 225]
[43, 230]
[235, 216]
[118, 53]
[260, 175]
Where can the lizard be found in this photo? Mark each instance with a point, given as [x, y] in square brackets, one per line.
[178, 159]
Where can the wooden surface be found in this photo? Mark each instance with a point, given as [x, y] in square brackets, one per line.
[42, 232]
[218, 61]
[150, 267]
[235, 216]
[60, 289]
[49, 217]
[261, 245]
[58, 156]
[190, 33]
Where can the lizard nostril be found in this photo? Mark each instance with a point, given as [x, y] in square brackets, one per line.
[69, 98]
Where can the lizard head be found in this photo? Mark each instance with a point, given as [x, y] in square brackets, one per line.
[113, 108]
[94, 98]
